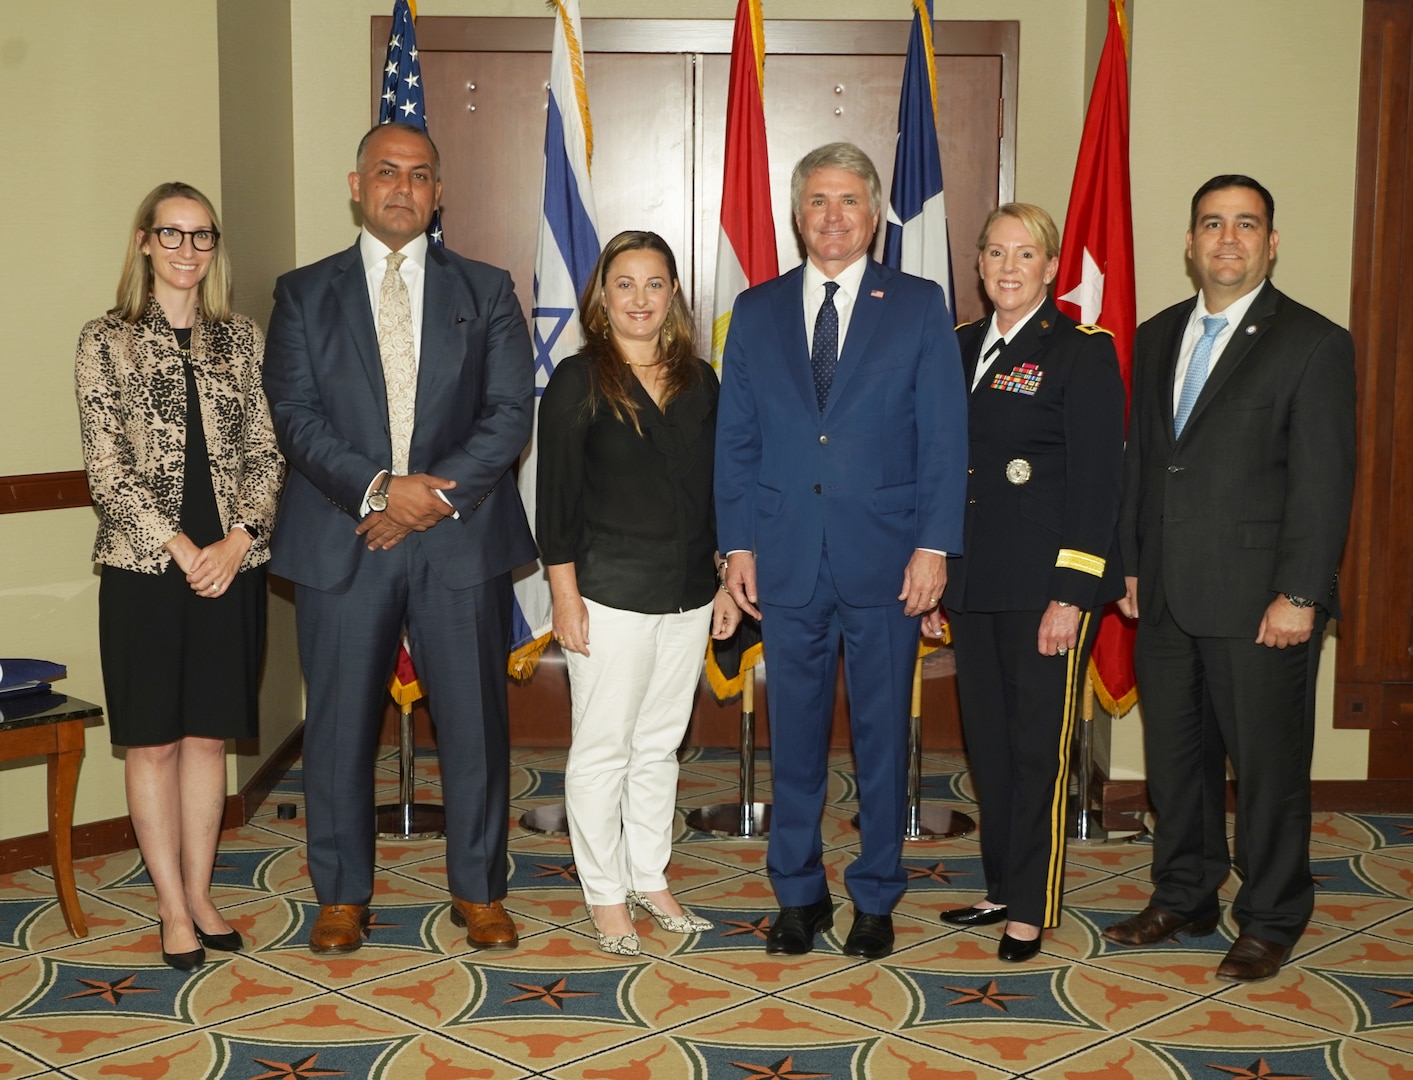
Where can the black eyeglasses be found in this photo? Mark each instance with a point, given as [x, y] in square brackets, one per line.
[171, 239]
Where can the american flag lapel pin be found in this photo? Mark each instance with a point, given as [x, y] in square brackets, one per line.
[877, 294]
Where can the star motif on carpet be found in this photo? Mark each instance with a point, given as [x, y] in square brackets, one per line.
[294, 1070]
[758, 929]
[988, 995]
[553, 994]
[937, 872]
[567, 872]
[784, 1069]
[1258, 1070]
[111, 992]
[1401, 998]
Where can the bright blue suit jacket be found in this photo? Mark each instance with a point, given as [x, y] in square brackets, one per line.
[881, 472]
[475, 392]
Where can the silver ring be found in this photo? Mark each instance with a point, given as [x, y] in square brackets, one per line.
[215, 586]
[1061, 650]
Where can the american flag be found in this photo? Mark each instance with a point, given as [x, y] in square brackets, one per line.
[402, 98]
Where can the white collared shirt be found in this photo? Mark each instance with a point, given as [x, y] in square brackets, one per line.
[850, 280]
[1235, 313]
[992, 336]
[413, 270]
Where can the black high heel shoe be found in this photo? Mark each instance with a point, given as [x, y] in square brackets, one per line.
[182, 961]
[228, 942]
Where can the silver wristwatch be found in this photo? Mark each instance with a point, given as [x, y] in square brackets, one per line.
[378, 500]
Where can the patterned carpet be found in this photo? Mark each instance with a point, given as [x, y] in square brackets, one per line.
[415, 1002]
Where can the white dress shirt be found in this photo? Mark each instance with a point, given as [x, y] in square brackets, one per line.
[849, 280]
[414, 274]
[1235, 313]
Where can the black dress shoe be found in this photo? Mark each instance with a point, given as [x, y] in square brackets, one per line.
[182, 961]
[1014, 951]
[229, 942]
[870, 937]
[974, 916]
[794, 928]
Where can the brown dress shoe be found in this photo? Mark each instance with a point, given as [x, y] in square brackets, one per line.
[487, 925]
[1251, 959]
[1152, 925]
[339, 928]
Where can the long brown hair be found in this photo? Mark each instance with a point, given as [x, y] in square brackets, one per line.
[613, 381]
[135, 284]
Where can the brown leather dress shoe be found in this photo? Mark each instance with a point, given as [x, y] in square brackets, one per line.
[1152, 925]
[1251, 959]
[339, 928]
[487, 925]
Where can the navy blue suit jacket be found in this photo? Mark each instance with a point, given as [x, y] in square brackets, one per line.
[475, 392]
[881, 472]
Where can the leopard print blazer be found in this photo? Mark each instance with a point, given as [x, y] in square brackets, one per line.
[132, 405]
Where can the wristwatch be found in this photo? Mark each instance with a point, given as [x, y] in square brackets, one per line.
[248, 529]
[1299, 601]
[378, 500]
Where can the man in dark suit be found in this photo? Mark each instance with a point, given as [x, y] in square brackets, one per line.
[1238, 478]
[840, 474]
[401, 383]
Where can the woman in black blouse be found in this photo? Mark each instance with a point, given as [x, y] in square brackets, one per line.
[625, 526]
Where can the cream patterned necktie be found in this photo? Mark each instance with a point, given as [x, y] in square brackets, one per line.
[399, 359]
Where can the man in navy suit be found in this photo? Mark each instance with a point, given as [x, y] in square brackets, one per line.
[841, 456]
[401, 383]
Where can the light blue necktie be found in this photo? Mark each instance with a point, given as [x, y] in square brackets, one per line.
[1196, 376]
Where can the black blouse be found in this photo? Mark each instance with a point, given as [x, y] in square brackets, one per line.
[632, 512]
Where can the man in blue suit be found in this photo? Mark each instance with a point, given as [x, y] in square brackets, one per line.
[401, 383]
[841, 456]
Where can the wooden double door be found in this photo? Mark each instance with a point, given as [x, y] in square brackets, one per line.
[657, 93]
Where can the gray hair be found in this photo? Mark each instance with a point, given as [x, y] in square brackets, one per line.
[398, 125]
[836, 155]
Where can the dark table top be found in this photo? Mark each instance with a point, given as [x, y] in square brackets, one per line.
[32, 710]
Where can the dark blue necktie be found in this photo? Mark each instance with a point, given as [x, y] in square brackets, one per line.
[824, 353]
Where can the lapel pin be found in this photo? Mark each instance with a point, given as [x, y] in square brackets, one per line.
[1045, 324]
[877, 294]
[1251, 329]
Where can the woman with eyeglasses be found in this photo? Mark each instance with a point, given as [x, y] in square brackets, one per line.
[184, 473]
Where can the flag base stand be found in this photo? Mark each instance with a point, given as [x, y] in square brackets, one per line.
[744, 819]
[405, 819]
[1084, 824]
[925, 822]
[549, 820]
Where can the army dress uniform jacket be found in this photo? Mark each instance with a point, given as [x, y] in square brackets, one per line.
[1046, 469]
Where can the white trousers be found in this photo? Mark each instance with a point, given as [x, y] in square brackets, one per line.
[631, 701]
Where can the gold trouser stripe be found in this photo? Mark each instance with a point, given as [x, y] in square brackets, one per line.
[1055, 875]
[1085, 563]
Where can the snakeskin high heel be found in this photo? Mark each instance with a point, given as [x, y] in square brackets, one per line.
[686, 923]
[616, 945]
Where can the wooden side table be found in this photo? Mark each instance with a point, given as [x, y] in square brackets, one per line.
[52, 725]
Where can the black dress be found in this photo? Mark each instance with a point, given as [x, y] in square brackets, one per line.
[175, 663]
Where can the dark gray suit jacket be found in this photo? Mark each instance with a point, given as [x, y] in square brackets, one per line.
[475, 392]
[1253, 500]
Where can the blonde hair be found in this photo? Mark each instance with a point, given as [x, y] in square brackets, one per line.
[135, 283]
[612, 379]
[1037, 222]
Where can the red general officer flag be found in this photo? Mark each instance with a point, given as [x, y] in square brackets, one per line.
[1095, 285]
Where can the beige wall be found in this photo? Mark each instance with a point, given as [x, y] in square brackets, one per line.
[85, 151]
[1274, 95]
